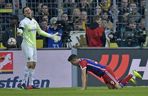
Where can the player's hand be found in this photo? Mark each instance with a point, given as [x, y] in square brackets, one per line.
[19, 31]
[56, 37]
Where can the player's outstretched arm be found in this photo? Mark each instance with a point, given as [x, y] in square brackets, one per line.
[55, 36]
[84, 79]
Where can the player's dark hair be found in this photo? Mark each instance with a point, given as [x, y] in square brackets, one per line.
[24, 9]
[71, 57]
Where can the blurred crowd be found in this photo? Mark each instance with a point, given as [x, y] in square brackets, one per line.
[103, 21]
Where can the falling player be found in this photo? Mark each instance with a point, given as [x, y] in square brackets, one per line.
[101, 71]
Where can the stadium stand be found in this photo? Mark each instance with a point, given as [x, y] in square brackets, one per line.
[82, 12]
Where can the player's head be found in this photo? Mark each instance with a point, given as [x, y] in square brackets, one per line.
[73, 59]
[27, 12]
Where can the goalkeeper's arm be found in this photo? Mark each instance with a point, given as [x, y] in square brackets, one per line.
[55, 36]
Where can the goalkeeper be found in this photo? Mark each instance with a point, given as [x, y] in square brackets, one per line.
[28, 28]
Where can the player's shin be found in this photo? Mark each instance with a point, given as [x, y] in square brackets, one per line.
[126, 80]
[31, 74]
[22, 84]
[26, 73]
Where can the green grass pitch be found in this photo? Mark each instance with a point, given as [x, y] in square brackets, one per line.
[91, 91]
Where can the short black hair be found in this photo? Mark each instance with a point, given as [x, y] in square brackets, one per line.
[73, 56]
[25, 8]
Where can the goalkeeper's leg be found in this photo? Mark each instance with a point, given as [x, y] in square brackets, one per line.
[22, 84]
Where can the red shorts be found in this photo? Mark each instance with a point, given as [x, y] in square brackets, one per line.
[109, 77]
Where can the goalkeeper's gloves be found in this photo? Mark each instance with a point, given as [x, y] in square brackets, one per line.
[55, 37]
[19, 31]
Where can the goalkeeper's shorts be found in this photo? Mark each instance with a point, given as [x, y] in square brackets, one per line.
[30, 53]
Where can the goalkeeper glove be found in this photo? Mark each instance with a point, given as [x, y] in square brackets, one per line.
[19, 31]
[55, 37]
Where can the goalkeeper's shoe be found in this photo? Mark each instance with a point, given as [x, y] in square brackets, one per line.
[136, 74]
[22, 86]
[132, 80]
[32, 87]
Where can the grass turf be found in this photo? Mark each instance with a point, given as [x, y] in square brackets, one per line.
[91, 91]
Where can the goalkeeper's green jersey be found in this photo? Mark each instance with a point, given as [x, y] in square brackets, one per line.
[30, 27]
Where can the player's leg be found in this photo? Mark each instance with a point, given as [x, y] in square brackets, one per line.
[110, 86]
[22, 84]
[31, 76]
[110, 79]
[111, 83]
[126, 80]
[28, 53]
[129, 77]
[32, 69]
[31, 72]
[30, 61]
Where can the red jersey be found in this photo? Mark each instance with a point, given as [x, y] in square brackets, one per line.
[92, 66]
[94, 37]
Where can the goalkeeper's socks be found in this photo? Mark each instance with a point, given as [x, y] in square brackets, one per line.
[31, 73]
[26, 73]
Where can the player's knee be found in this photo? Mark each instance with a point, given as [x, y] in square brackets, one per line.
[33, 66]
[30, 65]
